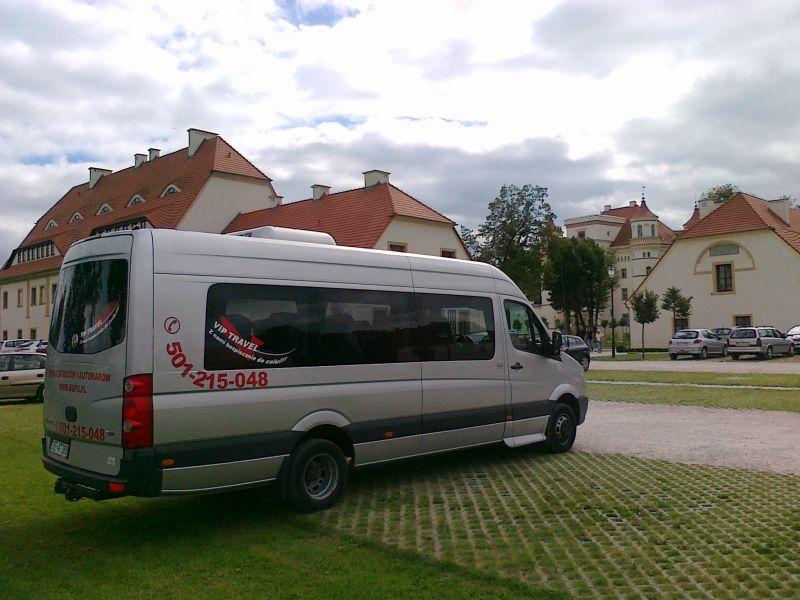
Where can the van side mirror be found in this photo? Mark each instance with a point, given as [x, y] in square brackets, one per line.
[557, 342]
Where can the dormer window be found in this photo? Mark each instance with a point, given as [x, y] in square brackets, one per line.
[51, 224]
[137, 199]
[638, 231]
[170, 189]
[104, 209]
[76, 217]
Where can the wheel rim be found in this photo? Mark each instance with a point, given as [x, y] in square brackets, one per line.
[564, 429]
[321, 476]
[769, 352]
[585, 363]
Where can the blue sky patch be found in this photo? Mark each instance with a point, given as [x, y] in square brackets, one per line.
[325, 14]
[346, 121]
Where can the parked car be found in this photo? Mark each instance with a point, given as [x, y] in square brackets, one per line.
[34, 346]
[577, 349]
[697, 343]
[763, 342]
[22, 375]
[13, 345]
[722, 332]
[793, 335]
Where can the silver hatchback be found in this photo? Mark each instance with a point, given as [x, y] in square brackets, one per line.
[22, 375]
[697, 343]
[763, 342]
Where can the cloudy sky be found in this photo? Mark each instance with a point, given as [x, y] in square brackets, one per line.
[592, 99]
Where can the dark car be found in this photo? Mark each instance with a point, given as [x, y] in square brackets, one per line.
[577, 349]
[722, 332]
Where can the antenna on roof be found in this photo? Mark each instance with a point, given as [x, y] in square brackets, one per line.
[643, 192]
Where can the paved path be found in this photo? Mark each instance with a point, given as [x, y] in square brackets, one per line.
[699, 366]
[751, 439]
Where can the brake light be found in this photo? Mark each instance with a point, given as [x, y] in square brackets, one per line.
[697, 342]
[758, 342]
[116, 488]
[137, 411]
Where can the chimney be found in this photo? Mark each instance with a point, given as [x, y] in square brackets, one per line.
[781, 208]
[278, 200]
[318, 191]
[152, 154]
[197, 137]
[95, 174]
[139, 159]
[706, 207]
[632, 203]
[375, 177]
[607, 208]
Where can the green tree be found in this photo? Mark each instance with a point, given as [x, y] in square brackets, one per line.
[645, 309]
[680, 306]
[513, 235]
[576, 275]
[719, 194]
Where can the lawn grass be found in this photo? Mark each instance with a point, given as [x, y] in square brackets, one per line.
[631, 355]
[697, 396]
[223, 546]
[755, 379]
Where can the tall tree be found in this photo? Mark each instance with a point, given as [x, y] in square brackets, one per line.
[576, 275]
[513, 235]
[680, 306]
[645, 309]
[719, 193]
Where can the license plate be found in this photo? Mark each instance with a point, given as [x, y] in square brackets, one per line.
[59, 448]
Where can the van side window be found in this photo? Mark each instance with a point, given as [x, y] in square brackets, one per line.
[455, 327]
[262, 326]
[526, 332]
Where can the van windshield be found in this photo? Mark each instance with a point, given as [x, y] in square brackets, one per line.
[90, 307]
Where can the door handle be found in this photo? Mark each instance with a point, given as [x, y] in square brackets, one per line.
[40, 375]
[516, 366]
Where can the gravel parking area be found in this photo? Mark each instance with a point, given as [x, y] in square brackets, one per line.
[749, 439]
[700, 366]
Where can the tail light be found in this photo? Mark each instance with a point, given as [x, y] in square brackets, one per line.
[697, 342]
[758, 342]
[137, 411]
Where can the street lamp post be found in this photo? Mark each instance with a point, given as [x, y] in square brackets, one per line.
[612, 275]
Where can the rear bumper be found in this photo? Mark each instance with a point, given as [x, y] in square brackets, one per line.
[583, 404]
[746, 349]
[693, 350]
[138, 474]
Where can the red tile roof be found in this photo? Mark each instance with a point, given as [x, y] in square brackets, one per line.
[744, 212]
[693, 219]
[354, 218]
[636, 213]
[116, 189]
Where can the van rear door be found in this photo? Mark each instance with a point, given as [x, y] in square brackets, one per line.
[86, 357]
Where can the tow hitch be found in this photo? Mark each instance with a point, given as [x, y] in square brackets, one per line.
[73, 492]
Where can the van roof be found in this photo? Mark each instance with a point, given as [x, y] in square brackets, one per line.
[210, 245]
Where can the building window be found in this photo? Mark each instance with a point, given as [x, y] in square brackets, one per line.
[5, 300]
[142, 223]
[35, 252]
[679, 323]
[5, 334]
[33, 334]
[652, 231]
[19, 334]
[638, 231]
[581, 235]
[53, 293]
[742, 321]
[397, 247]
[624, 274]
[624, 294]
[104, 209]
[19, 298]
[170, 189]
[647, 270]
[41, 294]
[33, 296]
[723, 279]
[137, 199]
[724, 250]
[51, 224]
[76, 217]
[448, 253]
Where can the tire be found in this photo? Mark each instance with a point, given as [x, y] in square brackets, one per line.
[317, 475]
[768, 353]
[673, 357]
[561, 429]
[703, 354]
[734, 357]
[791, 350]
[724, 351]
[585, 361]
[39, 394]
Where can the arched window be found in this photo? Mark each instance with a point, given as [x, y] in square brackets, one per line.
[137, 199]
[76, 217]
[638, 231]
[170, 189]
[51, 224]
[652, 230]
[104, 209]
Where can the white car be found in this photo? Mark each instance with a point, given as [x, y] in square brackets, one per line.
[22, 375]
[13, 345]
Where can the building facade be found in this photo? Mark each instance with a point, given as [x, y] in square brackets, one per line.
[740, 263]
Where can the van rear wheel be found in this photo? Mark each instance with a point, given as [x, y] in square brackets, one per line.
[40, 394]
[561, 429]
[317, 475]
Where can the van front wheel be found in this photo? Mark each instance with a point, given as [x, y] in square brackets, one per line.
[317, 475]
[561, 429]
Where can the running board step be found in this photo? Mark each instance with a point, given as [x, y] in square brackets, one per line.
[524, 440]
